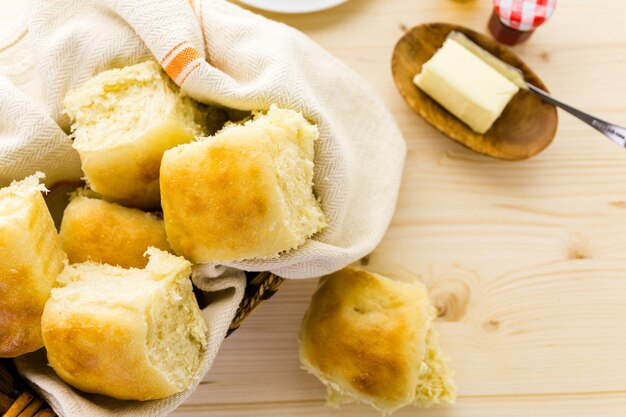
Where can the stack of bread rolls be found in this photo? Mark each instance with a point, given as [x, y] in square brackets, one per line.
[109, 296]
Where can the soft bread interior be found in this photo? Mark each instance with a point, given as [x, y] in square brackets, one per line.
[435, 385]
[119, 105]
[294, 170]
[176, 331]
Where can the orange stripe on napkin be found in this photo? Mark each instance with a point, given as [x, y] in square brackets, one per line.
[180, 61]
[167, 55]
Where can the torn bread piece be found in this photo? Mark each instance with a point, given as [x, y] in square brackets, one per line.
[123, 120]
[131, 334]
[245, 193]
[30, 260]
[370, 339]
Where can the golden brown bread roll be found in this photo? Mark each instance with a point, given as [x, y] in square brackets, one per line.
[122, 122]
[30, 259]
[102, 232]
[370, 339]
[245, 192]
[133, 334]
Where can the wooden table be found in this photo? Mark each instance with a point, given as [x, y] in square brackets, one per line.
[525, 260]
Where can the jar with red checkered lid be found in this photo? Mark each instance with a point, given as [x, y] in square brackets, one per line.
[513, 21]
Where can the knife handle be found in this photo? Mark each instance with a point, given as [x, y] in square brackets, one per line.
[616, 133]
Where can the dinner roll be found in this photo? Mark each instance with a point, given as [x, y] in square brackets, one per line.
[30, 259]
[370, 339]
[102, 232]
[122, 122]
[245, 192]
[132, 334]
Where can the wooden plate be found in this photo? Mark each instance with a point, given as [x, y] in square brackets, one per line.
[527, 125]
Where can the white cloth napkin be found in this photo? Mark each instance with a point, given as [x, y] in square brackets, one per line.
[218, 53]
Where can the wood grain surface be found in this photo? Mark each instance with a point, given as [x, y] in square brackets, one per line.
[526, 260]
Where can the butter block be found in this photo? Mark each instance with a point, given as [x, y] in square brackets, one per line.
[465, 85]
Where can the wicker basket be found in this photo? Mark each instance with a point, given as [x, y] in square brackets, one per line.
[16, 400]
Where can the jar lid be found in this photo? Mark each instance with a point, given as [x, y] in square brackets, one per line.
[524, 15]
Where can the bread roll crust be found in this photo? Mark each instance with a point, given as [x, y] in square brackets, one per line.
[103, 232]
[361, 334]
[30, 259]
[87, 347]
[366, 338]
[223, 205]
